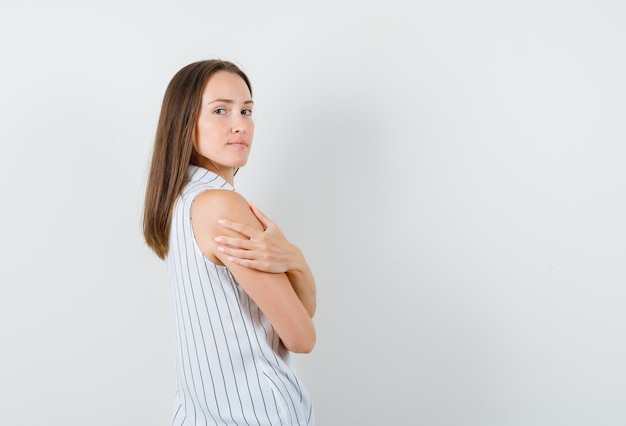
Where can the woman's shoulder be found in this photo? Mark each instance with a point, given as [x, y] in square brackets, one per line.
[208, 208]
[212, 205]
[219, 200]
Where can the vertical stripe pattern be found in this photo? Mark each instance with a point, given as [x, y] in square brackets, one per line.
[232, 368]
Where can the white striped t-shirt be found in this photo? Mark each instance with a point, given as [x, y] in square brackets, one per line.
[232, 368]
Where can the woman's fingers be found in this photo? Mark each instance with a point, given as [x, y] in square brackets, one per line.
[234, 242]
[252, 259]
[235, 252]
[266, 250]
[246, 230]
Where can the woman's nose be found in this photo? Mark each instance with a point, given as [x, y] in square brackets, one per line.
[239, 124]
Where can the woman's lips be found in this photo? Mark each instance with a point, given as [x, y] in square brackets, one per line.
[238, 144]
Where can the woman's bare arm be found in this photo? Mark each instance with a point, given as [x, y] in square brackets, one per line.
[273, 292]
[268, 250]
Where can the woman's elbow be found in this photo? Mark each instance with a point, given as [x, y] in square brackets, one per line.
[303, 344]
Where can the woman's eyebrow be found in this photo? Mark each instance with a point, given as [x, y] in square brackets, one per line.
[230, 101]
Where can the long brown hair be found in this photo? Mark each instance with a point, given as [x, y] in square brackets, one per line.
[173, 147]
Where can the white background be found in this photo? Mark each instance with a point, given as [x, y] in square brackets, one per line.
[454, 172]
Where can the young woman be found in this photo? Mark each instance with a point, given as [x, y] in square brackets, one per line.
[243, 296]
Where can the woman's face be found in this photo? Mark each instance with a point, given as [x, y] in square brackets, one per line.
[225, 127]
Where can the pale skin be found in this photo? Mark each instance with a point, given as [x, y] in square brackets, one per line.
[269, 251]
[231, 232]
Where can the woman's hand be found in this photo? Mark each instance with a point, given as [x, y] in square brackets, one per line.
[267, 251]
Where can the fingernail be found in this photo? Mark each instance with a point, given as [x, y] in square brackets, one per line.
[217, 239]
[221, 221]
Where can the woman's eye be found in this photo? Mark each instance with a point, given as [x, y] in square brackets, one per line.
[246, 112]
[220, 111]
